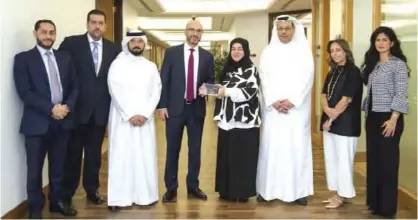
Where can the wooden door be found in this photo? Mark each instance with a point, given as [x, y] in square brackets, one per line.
[107, 6]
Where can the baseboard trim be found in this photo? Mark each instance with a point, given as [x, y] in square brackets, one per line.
[406, 198]
[21, 210]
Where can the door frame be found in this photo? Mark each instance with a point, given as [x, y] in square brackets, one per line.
[317, 8]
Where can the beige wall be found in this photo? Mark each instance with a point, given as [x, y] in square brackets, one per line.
[18, 19]
[130, 16]
[337, 19]
[257, 35]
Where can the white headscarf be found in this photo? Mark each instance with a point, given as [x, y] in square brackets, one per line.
[283, 65]
[299, 37]
[131, 35]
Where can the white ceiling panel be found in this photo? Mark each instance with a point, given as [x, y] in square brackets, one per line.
[166, 19]
[401, 8]
[209, 36]
[147, 23]
[211, 6]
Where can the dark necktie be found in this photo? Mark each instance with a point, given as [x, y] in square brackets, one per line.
[190, 77]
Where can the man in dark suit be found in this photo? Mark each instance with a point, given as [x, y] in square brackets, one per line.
[185, 68]
[46, 83]
[92, 55]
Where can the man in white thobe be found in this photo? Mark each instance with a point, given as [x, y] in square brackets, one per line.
[285, 159]
[135, 87]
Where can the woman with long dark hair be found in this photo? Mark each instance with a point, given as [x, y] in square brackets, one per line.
[341, 121]
[385, 73]
[237, 116]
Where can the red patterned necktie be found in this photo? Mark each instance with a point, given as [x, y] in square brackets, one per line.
[190, 77]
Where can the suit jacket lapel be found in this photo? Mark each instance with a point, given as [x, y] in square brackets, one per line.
[182, 62]
[40, 65]
[105, 57]
[61, 71]
[88, 53]
[200, 67]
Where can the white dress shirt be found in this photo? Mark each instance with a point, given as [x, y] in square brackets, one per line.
[99, 47]
[195, 66]
[43, 51]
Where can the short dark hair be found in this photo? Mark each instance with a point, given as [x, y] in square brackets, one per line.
[39, 22]
[95, 12]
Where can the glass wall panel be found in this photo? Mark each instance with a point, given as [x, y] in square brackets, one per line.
[362, 30]
[402, 15]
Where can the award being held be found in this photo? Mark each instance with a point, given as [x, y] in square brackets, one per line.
[212, 89]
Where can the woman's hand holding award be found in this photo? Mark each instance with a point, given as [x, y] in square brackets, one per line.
[209, 89]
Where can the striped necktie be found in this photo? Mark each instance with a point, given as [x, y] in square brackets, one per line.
[56, 95]
[95, 53]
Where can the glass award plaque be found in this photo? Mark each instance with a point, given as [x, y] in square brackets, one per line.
[212, 89]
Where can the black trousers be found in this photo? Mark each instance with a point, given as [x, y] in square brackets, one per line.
[236, 165]
[87, 137]
[382, 164]
[174, 135]
[54, 143]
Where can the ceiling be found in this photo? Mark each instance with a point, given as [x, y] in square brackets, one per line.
[166, 19]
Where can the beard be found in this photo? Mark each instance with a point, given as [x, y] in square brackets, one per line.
[96, 34]
[41, 44]
[136, 51]
[193, 38]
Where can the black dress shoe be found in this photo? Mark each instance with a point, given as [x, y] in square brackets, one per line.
[170, 196]
[62, 208]
[382, 215]
[113, 208]
[68, 201]
[242, 200]
[302, 201]
[35, 215]
[224, 198]
[197, 193]
[95, 198]
[260, 199]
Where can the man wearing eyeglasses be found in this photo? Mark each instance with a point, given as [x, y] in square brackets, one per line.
[185, 68]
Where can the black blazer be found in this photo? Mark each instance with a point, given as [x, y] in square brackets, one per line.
[94, 93]
[349, 84]
[174, 81]
[32, 85]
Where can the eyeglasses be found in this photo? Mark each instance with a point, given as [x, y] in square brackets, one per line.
[198, 31]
